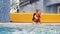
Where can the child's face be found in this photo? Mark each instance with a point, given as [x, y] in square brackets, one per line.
[37, 11]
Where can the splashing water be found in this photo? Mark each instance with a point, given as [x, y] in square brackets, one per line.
[29, 29]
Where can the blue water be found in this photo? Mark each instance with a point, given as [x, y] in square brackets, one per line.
[30, 29]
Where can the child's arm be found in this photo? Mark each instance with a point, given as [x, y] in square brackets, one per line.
[36, 17]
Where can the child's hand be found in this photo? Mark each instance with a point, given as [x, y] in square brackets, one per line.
[36, 17]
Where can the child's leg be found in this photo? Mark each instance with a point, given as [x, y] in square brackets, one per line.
[33, 22]
[36, 21]
[39, 21]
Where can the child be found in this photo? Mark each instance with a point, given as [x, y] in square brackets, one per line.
[36, 16]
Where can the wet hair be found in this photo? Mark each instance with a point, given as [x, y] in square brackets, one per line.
[37, 10]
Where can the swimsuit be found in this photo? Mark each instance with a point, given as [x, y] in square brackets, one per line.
[34, 19]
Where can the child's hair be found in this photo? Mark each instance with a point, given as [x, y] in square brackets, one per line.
[37, 10]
